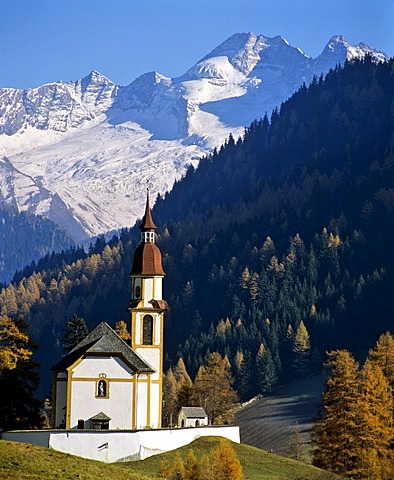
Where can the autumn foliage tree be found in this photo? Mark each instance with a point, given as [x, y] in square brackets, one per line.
[19, 377]
[221, 463]
[353, 435]
[335, 432]
[121, 330]
[13, 344]
[375, 429]
[213, 390]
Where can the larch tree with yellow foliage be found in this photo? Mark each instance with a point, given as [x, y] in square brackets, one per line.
[13, 344]
[383, 355]
[213, 390]
[19, 378]
[335, 433]
[375, 424]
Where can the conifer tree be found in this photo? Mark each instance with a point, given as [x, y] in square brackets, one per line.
[184, 384]
[19, 409]
[335, 433]
[297, 444]
[226, 464]
[213, 390]
[13, 344]
[178, 468]
[164, 470]
[301, 350]
[267, 375]
[75, 331]
[170, 398]
[121, 330]
[191, 467]
[383, 355]
[375, 423]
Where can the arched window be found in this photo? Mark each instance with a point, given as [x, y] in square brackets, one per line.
[137, 291]
[147, 330]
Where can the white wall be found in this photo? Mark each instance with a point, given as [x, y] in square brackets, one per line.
[84, 402]
[119, 446]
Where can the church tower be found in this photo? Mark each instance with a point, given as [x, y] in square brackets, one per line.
[147, 319]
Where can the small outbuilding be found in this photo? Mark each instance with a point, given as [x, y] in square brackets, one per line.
[192, 417]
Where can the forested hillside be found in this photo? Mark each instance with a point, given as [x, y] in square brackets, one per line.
[25, 237]
[278, 247]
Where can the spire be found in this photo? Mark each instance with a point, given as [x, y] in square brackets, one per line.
[147, 223]
[147, 256]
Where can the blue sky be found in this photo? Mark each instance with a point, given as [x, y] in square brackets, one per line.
[48, 40]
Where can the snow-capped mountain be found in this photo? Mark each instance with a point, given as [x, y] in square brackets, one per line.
[82, 153]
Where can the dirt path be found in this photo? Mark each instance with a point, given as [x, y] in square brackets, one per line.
[269, 423]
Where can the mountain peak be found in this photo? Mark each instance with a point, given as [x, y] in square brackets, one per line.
[337, 39]
[96, 77]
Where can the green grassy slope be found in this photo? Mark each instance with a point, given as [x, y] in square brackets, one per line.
[257, 464]
[19, 461]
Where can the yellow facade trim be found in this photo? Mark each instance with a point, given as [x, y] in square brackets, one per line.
[95, 379]
[148, 403]
[134, 415]
[68, 404]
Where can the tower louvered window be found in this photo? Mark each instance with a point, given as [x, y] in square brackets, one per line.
[147, 330]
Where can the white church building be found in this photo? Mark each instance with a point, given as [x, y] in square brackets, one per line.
[104, 383]
[107, 394]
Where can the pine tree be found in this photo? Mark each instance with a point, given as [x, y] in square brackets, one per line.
[335, 432]
[75, 331]
[267, 375]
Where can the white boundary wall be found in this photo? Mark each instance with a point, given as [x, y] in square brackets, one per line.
[118, 445]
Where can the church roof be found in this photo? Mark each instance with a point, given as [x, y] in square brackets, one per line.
[194, 412]
[147, 260]
[104, 340]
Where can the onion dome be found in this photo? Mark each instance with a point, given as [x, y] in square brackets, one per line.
[147, 256]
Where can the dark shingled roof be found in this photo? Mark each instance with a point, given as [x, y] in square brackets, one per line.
[194, 412]
[104, 340]
[101, 416]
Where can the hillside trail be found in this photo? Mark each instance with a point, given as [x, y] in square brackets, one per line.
[268, 423]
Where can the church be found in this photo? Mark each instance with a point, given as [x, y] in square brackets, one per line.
[105, 383]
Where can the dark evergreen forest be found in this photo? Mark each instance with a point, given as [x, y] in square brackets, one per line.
[276, 248]
[25, 238]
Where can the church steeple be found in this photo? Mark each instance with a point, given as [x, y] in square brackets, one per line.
[147, 316]
[147, 224]
[147, 256]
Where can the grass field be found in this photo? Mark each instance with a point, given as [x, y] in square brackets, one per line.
[19, 461]
[257, 464]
